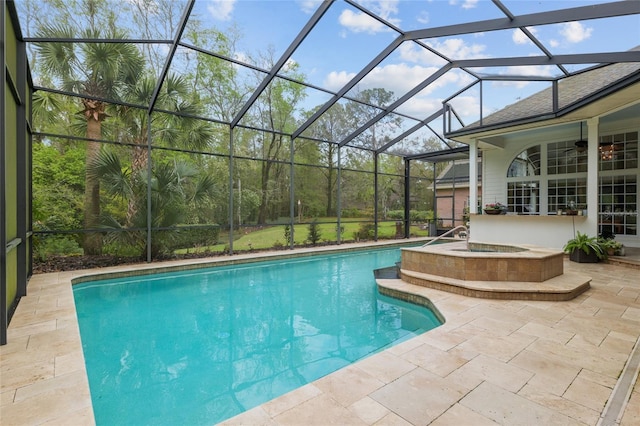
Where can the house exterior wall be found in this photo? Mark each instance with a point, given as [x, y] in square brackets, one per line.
[445, 203]
[543, 230]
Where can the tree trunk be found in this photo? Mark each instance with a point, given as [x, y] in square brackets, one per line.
[92, 241]
[330, 186]
[264, 187]
[138, 166]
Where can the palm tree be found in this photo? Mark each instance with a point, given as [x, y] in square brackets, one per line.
[181, 131]
[174, 186]
[97, 71]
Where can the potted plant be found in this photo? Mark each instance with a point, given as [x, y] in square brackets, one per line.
[584, 249]
[571, 209]
[610, 246]
[495, 208]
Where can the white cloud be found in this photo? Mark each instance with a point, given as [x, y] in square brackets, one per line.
[423, 17]
[412, 52]
[466, 106]
[466, 4]
[420, 107]
[575, 32]
[335, 80]
[519, 37]
[554, 43]
[457, 48]
[360, 22]
[221, 9]
[289, 65]
[309, 6]
[400, 79]
[452, 48]
[526, 70]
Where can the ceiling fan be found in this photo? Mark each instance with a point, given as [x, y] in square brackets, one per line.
[579, 147]
[581, 144]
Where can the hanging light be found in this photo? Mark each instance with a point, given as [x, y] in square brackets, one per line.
[581, 144]
[606, 151]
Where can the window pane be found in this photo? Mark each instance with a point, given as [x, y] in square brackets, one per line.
[523, 197]
[527, 163]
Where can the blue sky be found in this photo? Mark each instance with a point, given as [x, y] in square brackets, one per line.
[347, 39]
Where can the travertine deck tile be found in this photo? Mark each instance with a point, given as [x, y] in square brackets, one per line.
[386, 367]
[369, 410]
[562, 405]
[419, 396]
[552, 375]
[546, 332]
[588, 393]
[507, 408]
[491, 362]
[321, 410]
[487, 369]
[348, 385]
[438, 361]
[461, 415]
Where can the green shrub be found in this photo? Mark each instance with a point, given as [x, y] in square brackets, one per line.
[194, 236]
[51, 244]
[366, 231]
[414, 215]
[352, 212]
[287, 235]
[314, 234]
[586, 244]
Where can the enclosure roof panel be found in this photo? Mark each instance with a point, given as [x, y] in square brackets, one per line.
[386, 76]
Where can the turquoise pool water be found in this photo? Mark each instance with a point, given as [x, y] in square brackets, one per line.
[198, 347]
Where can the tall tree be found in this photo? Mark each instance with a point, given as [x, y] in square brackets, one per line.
[332, 126]
[174, 185]
[181, 131]
[98, 71]
[372, 102]
[275, 109]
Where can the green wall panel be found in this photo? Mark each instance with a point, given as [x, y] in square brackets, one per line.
[11, 48]
[10, 169]
[12, 277]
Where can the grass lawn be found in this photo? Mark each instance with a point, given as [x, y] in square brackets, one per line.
[272, 235]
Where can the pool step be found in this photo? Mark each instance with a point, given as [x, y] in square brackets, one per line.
[562, 287]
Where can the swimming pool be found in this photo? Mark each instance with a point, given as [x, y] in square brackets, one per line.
[200, 346]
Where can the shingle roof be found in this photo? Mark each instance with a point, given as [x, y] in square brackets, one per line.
[571, 90]
[458, 173]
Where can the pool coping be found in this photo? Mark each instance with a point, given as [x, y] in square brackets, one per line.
[44, 381]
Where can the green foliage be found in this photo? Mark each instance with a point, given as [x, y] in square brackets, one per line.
[366, 231]
[287, 235]
[57, 186]
[609, 245]
[189, 188]
[314, 233]
[46, 245]
[174, 186]
[195, 236]
[414, 215]
[586, 244]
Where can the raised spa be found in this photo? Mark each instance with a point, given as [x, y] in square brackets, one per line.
[488, 262]
[492, 271]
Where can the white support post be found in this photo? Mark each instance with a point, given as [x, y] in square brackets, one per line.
[592, 175]
[473, 177]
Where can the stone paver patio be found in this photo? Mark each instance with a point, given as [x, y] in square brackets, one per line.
[491, 362]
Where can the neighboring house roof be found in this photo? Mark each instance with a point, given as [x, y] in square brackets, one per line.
[574, 91]
[457, 173]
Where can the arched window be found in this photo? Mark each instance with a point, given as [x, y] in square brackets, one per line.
[523, 195]
[527, 163]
